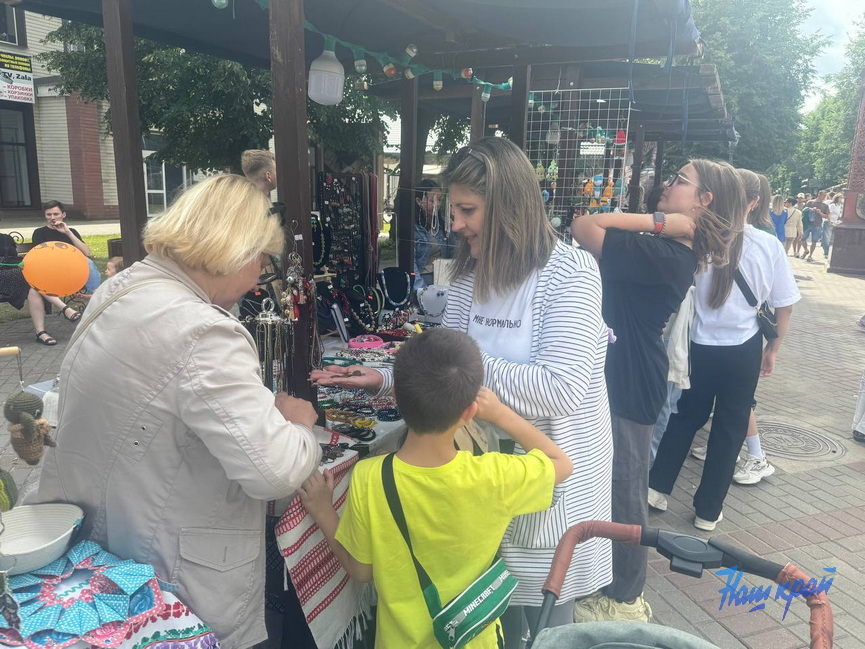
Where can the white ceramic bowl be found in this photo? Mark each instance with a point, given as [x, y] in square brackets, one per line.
[36, 535]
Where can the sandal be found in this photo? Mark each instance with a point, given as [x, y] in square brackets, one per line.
[75, 317]
[47, 340]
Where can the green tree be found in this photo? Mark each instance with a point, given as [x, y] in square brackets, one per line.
[824, 151]
[210, 109]
[764, 52]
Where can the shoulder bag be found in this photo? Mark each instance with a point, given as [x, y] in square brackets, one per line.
[473, 610]
[766, 319]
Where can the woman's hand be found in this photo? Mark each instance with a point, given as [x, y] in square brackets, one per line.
[767, 366]
[489, 407]
[297, 411]
[679, 226]
[316, 493]
[352, 377]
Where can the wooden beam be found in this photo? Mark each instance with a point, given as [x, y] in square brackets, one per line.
[288, 71]
[125, 126]
[659, 160]
[426, 14]
[479, 115]
[520, 104]
[636, 168]
[407, 176]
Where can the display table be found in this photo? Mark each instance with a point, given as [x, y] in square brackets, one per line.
[91, 598]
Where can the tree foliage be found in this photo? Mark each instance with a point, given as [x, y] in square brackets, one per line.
[210, 109]
[824, 150]
[764, 52]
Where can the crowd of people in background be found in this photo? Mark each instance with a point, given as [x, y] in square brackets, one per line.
[804, 220]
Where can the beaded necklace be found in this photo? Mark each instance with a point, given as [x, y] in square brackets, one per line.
[370, 324]
[320, 227]
[409, 285]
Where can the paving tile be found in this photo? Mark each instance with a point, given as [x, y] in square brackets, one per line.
[775, 639]
[715, 633]
[747, 624]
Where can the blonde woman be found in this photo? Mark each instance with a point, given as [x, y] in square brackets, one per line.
[793, 227]
[779, 216]
[168, 439]
[533, 305]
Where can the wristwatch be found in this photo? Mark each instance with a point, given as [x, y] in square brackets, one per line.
[660, 222]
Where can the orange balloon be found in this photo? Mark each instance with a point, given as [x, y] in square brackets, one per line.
[56, 268]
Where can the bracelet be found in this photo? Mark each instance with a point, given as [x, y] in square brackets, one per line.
[367, 411]
[388, 414]
[365, 342]
[364, 423]
[342, 416]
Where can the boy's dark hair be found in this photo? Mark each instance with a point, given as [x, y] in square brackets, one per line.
[790, 199]
[437, 375]
[50, 205]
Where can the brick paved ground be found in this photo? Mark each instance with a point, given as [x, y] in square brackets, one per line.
[810, 512]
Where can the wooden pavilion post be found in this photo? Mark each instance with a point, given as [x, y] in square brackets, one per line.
[288, 72]
[479, 115]
[520, 104]
[636, 168]
[659, 161]
[407, 176]
[125, 126]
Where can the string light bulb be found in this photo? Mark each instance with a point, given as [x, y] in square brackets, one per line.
[531, 100]
[220, 4]
[467, 73]
[360, 65]
[487, 92]
[410, 53]
[326, 76]
[389, 69]
[409, 73]
[438, 84]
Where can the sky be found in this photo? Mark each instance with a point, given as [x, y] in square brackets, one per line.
[833, 18]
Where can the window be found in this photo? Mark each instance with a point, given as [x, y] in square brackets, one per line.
[14, 171]
[9, 27]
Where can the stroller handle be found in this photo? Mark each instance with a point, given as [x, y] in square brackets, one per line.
[689, 555]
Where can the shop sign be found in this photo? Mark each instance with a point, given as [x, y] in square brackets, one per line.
[16, 78]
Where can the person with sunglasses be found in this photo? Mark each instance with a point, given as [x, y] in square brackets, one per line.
[727, 352]
[533, 305]
[647, 264]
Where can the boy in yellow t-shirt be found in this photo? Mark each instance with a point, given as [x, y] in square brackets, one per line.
[457, 506]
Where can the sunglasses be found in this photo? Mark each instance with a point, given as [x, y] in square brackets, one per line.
[676, 177]
[459, 157]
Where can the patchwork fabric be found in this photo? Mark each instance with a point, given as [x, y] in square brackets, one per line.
[91, 596]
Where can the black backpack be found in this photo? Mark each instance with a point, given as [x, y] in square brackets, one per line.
[7, 247]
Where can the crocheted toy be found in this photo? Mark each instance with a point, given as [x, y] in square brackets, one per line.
[29, 431]
[8, 491]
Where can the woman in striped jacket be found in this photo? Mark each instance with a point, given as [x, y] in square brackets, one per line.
[533, 304]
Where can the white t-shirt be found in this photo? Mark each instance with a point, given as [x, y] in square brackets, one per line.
[503, 327]
[768, 274]
[836, 214]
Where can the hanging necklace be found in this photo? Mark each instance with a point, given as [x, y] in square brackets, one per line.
[318, 262]
[369, 323]
[409, 284]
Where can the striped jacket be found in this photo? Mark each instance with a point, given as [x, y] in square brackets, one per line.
[563, 392]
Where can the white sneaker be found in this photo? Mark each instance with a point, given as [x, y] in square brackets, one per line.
[657, 500]
[707, 526]
[752, 469]
[699, 452]
[597, 607]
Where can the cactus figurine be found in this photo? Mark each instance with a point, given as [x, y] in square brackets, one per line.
[30, 433]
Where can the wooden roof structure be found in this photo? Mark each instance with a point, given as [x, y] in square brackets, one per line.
[452, 34]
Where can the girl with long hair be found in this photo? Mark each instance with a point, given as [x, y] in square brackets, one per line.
[645, 279]
[533, 305]
[727, 355]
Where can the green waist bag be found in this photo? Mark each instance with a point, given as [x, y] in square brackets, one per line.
[473, 610]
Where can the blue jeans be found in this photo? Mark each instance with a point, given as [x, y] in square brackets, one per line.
[826, 237]
[669, 408]
[94, 279]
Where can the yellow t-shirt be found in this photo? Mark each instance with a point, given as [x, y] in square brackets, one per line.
[456, 516]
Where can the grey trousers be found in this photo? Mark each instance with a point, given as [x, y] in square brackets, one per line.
[632, 444]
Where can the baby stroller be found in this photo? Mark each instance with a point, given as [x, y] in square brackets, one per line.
[688, 555]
